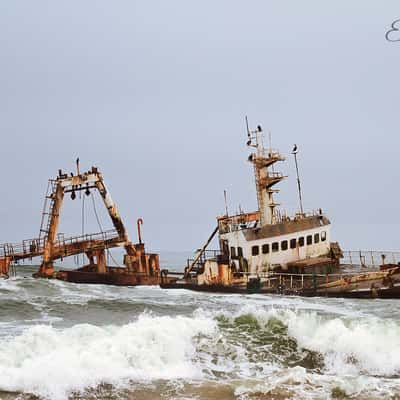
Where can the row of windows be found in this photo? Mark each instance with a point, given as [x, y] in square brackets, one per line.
[284, 245]
[292, 243]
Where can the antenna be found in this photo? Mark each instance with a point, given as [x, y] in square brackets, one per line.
[78, 172]
[294, 152]
[226, 204]
[270, 147]
[270, 140]
[248, 132]
[247, 127]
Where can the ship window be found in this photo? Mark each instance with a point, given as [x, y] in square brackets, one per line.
[233, 252]
[255, 250]
[323, 236]
[292, 243]
[265, 248]
[284, 245]
[316, 238]
[240, 252]
[309, 239]
[275, 246]
[301, 241]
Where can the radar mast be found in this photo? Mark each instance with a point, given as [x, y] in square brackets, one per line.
[263, 161]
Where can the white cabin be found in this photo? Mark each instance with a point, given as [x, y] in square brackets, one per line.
[264, 248]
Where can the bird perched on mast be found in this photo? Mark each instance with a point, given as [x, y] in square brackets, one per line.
[295, 151]
[248, 132]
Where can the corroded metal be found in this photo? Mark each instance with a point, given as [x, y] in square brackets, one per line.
[139, 267]
[65, 184]
[267, 251]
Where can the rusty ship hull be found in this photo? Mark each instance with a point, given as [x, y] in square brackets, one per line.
[110, 278]
[383, 293]
[383, 284]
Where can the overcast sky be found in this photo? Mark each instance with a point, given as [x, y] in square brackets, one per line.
[155, 94]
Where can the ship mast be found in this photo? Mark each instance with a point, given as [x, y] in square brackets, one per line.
[262, 160]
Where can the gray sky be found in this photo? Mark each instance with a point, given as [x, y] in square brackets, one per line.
[155, 94]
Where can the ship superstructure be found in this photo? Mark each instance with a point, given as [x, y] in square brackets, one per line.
[256, 245]
[268, 239]
[267, 251]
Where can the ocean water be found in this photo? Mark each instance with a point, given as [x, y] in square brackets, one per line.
[66, 341]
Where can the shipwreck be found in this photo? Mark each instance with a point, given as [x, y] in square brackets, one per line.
[268, 251]
[139, 267]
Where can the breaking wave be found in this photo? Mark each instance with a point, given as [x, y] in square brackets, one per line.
[257, 347]
[340, 345]
[52, 363]
[370, 346]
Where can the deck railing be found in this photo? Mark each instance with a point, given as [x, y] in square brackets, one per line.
[370, 259]
[268, 153]
[33, 247]
[297, 281]
[206, 255]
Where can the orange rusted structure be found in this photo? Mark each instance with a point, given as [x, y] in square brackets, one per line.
[139, 267]
[91, 180]
[4, 266]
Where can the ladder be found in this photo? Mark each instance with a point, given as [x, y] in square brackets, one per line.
[48, 209]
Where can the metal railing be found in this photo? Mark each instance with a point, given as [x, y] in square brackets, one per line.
[33, 247]
[206, 255]
[273, 175]
[269, 153]
[370, 259]
[105, 235]
[28, 246]
[240, 221]
[299, 281]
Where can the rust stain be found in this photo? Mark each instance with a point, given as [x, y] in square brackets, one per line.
[139, 267]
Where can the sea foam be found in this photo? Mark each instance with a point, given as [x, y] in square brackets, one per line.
[349, 345]
[52, 363]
